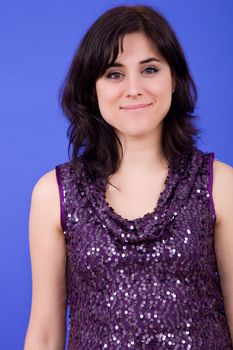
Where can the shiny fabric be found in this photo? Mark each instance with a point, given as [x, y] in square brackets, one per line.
[147, 283]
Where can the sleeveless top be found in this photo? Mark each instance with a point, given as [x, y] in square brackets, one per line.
[147, 283]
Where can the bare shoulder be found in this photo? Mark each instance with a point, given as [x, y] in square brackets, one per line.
[222, 174]
[45, 195]
[222, 188]
[46, 184]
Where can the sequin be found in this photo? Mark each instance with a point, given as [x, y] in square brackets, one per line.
[147, 283]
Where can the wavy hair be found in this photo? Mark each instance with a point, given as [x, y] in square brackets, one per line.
[99, 48]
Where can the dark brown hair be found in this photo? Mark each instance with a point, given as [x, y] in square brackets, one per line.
[99, 48]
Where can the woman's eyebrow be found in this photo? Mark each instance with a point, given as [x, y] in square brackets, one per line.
[147, 60]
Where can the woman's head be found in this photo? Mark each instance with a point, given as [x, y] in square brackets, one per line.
[83, 97]
[135, 94]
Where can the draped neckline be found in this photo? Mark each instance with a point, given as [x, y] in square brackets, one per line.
[181, 174]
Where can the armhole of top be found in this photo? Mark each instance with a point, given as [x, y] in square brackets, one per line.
[210, 182]
[62, 201]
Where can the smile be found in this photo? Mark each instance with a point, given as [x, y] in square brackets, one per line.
[134, 107]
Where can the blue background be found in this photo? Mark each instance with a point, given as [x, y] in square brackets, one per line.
[38, 40]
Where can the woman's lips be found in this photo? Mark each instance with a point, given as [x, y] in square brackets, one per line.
[132, 107]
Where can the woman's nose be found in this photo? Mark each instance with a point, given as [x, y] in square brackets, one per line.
[133, 86]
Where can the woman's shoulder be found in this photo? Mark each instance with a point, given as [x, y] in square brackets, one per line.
[222, 167]
[46, 183]
[46, 188]
[45, 191]
[222, 175]
[222, 188]
[45, 197]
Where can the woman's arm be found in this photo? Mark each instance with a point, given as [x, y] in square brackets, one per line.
[47, 325]
[223, 201]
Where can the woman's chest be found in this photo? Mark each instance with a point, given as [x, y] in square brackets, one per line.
[135, 198]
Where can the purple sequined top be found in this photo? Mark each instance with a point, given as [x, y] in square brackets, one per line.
[147, 283]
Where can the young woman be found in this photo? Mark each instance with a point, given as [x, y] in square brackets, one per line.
[135, 232]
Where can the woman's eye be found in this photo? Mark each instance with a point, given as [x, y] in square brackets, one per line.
[118, 75]
[113, 75]
[150, 70]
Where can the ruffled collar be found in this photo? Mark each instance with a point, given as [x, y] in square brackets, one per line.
[181, 175]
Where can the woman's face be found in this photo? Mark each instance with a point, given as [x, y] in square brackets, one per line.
[135, 94]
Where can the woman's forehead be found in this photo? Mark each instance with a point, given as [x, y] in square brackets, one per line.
[139, 44]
